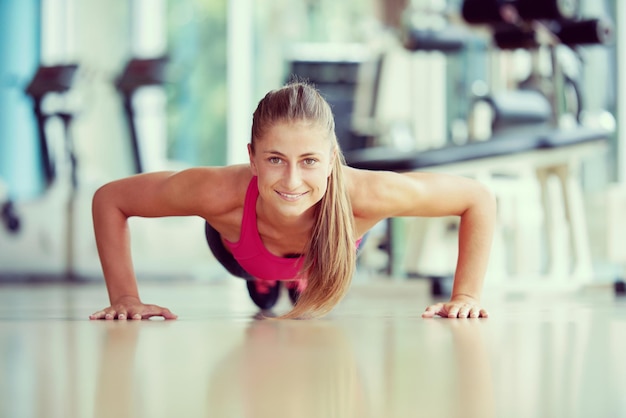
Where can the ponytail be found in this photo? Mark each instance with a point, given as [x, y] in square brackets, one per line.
[330, 255]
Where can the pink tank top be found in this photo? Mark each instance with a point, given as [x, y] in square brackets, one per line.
[250, 252]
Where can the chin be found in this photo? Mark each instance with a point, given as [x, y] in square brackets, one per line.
[295, 208]
[293, 211]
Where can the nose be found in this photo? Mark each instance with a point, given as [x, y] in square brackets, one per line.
[293, 177]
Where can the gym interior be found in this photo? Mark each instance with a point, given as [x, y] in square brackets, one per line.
[526, 96]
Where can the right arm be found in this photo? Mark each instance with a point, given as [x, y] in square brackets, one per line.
[189, 192]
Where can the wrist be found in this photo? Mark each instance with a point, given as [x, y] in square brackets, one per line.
[124, 298]
[466, 297]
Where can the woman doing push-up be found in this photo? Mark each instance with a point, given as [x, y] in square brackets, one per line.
[295, 215]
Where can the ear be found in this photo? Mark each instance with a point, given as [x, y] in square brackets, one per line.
[252, 163]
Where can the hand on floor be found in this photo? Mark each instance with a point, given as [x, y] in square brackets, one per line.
[458, 307]
[132, 308]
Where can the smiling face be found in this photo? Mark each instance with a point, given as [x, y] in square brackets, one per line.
[292, 161]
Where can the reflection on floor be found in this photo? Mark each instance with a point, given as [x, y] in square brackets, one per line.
[374, 356]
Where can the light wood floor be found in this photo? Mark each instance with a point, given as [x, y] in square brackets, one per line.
[558, 355]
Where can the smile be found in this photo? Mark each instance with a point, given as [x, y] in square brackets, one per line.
[290, 196]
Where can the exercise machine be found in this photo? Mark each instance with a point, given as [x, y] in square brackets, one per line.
[138, 73]
[38, 234]
[526, 131]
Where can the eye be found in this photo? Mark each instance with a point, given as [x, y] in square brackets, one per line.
[310, 161]
[274, 160]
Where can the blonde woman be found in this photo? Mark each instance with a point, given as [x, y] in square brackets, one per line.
[295, 215]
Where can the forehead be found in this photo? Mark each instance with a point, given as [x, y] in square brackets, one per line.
[298, 136]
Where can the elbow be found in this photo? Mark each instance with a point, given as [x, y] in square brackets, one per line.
[489, 199]
[484, 201]
[102, 201]
[99, 198]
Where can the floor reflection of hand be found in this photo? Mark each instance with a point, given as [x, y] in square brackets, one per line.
[116, 377]
[475, 393]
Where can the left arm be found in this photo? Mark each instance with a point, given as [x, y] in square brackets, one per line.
[380, 195]
[475, 238]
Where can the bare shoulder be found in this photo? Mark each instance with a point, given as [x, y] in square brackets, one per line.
[216, 190]
[214, 193]
[217, 178]
[376, 194]
[383, 194]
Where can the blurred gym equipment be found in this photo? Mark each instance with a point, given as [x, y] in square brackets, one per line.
[43, 229]
[138, 73]
[525, 129]
[52, 80]
[335, 71]
[506, 11]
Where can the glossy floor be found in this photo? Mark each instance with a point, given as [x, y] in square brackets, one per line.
[374, 356]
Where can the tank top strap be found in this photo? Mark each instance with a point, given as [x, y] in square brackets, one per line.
[248, 222]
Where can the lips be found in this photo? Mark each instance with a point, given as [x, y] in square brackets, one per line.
[292, 197]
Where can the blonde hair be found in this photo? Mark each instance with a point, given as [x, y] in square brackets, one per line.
[330, 256]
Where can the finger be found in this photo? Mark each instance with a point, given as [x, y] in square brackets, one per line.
[136, 316]
[432, 310]
[475, 312]
[110, 314]
[154, 310]
[484, 313]
[453, 312]
[167, 314]
[97, 315]
[121, 315]
[464, 311]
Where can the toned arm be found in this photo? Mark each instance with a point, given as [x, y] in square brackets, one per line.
[380, 195]
[207, 192]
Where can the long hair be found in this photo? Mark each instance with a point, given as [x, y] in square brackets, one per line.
[330, 255]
